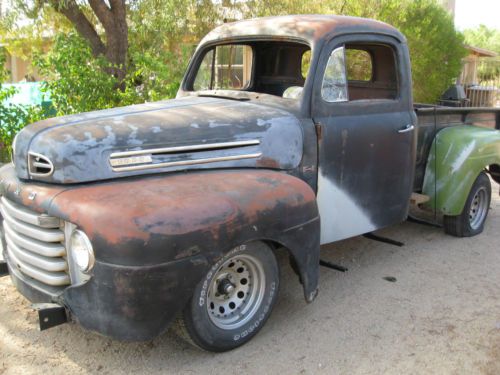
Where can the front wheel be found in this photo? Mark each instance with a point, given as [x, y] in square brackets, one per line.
[232, 303]
[471, 221]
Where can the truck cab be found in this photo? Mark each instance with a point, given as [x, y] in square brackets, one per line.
[349, 81]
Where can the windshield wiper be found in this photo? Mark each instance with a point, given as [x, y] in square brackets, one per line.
[240, 99]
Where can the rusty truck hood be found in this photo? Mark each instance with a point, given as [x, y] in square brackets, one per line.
[180, 134]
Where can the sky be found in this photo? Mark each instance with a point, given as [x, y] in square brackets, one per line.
[471, 13]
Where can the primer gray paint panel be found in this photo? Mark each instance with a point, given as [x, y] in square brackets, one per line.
[80, 148]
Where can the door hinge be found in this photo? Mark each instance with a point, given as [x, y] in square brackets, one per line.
[319, 130]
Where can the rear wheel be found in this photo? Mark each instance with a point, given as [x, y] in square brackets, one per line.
[471, 221]
[232, 303]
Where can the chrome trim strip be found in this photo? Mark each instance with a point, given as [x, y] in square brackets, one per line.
[54, 279]
[38, 164]
[46, 235]
[46, 249]
[186, 162]
[168, 150]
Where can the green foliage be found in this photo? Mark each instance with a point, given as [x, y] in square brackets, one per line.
[13, 117]
[435, 46]
[79, 82]
[483, 37]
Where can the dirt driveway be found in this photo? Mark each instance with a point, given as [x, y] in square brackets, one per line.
[441, 316]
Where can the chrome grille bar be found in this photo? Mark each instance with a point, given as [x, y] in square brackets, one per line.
[38, 247]
[45, 235]
[49, 264]
[29, 217]
[35, 244]
[52, 278]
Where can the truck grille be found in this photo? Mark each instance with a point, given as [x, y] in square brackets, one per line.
[35, 244]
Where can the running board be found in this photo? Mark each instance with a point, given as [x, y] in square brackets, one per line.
[332, 266]
[374, 237]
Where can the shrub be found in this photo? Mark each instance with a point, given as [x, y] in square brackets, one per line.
[13, 117]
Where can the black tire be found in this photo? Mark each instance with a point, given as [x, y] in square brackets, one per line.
[212, 320]
[471, 221]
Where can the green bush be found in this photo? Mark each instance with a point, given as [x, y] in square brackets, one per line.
[13, 117]
[79, 82]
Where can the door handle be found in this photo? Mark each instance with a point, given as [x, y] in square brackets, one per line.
[407, 128]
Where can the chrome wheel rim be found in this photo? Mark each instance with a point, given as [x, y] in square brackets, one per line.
[236, 292]
[478, 208]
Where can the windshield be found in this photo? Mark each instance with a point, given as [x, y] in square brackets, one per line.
[275, 68]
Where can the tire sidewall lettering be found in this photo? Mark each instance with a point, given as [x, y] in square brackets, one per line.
[256, 322]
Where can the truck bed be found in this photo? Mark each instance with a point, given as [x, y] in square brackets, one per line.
[432, 119]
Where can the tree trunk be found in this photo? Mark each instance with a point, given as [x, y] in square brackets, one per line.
[113, 18]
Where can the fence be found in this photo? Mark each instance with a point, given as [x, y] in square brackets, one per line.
[481, 81]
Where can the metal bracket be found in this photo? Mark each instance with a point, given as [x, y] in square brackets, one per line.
[4, 270]
[50, 315]
[413, 219]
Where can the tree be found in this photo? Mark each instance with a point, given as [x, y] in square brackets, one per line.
[435, 46]
[110, 14]
[483, 37]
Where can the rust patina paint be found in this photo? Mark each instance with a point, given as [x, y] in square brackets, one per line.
[179, 204]
[36, 196]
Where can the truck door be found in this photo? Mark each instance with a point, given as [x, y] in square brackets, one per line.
[362, 108]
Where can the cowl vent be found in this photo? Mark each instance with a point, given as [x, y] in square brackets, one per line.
[39, 165]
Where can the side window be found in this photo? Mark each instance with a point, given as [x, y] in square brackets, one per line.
[334, 86]
[359, 65]
[361, 72]
[225, 67]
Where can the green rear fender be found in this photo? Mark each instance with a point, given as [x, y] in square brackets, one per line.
[457, 156]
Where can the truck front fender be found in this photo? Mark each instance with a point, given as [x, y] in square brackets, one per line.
[155, 238]
[457, 156]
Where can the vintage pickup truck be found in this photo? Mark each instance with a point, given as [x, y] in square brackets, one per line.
[287, 133]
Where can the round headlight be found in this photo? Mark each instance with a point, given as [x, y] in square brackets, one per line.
[81, 251]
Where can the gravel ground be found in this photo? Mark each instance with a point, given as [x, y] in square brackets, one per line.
[440, 316]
